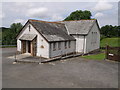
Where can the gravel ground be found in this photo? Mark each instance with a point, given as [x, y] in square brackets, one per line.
[69, 73]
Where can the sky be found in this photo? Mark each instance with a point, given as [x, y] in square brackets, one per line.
[14, 12]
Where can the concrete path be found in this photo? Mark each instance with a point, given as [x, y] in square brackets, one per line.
[20, 56]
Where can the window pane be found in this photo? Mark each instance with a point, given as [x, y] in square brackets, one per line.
[65, 44]
[59, 45]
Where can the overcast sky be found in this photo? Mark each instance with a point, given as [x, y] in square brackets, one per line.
[14, 12]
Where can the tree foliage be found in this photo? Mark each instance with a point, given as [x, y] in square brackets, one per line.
[110, 31]
[78, 15]
[9, 34]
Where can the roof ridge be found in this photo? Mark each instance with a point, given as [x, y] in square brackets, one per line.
[77, 20]
[57, 22]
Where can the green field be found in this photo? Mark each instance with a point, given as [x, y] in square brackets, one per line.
[114, 42]
[100, 56]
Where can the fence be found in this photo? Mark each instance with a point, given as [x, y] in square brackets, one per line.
[113, 53]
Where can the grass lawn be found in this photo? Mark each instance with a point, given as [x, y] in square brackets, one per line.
[100, 56]
[114, 42]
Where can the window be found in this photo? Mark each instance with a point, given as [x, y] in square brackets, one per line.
[69, 43]
[65, 45]
[59, 45]
[92, 41]
[54, 46]
[96, 37]
[29, 27]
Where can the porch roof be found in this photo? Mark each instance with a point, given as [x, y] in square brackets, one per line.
[28, 37]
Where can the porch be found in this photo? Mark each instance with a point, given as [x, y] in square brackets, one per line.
[29, 44]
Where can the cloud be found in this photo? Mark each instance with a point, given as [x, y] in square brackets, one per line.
[2, 15]
[19, 21]
[99, 15]
[102, 5]
[44, 13]
[103, 11]
[41, 12]
[56, 17]
[24, 4]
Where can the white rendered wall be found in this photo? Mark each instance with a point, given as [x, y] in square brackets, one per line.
[44, 52]
[57, 52]
[90, 46]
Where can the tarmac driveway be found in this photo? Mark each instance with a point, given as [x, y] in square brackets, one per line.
[69, 73]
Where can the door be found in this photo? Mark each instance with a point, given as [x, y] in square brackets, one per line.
[34, 46]
[23, 46]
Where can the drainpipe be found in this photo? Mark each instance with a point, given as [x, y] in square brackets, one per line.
[84, 45]
[50, 50]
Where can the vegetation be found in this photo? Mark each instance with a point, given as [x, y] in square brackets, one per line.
[0, 36]
[8, 46]
[78, 15]
[109, 31]
[9, 34]
[100, 56]
[114, 42]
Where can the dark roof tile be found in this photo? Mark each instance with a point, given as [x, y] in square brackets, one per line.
[52, 31]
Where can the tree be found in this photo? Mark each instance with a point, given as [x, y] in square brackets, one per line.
[78, 15]
[9, 34]
[110, 31]
[16, 27]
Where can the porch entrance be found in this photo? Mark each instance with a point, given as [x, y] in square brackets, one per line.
[29, 45]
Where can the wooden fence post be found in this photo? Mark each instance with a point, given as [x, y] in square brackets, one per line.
[107, 52]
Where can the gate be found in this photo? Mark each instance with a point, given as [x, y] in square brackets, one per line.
[113, 53]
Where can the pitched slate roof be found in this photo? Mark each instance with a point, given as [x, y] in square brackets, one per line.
[28, 37]
[52, 31]
[79, 26]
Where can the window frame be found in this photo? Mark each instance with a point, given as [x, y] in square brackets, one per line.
[65, 43]
[54, 46]
[69, 44]
[59, 45]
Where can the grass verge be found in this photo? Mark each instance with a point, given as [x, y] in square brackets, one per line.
[100, 56]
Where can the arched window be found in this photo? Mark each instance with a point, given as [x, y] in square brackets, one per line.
[29, 27]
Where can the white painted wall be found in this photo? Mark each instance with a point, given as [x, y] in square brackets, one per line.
[44, 52]
[63, 51]
[79, 42]
[84, 43]
[90, 39]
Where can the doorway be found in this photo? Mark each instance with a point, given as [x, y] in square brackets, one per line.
[29, 46]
